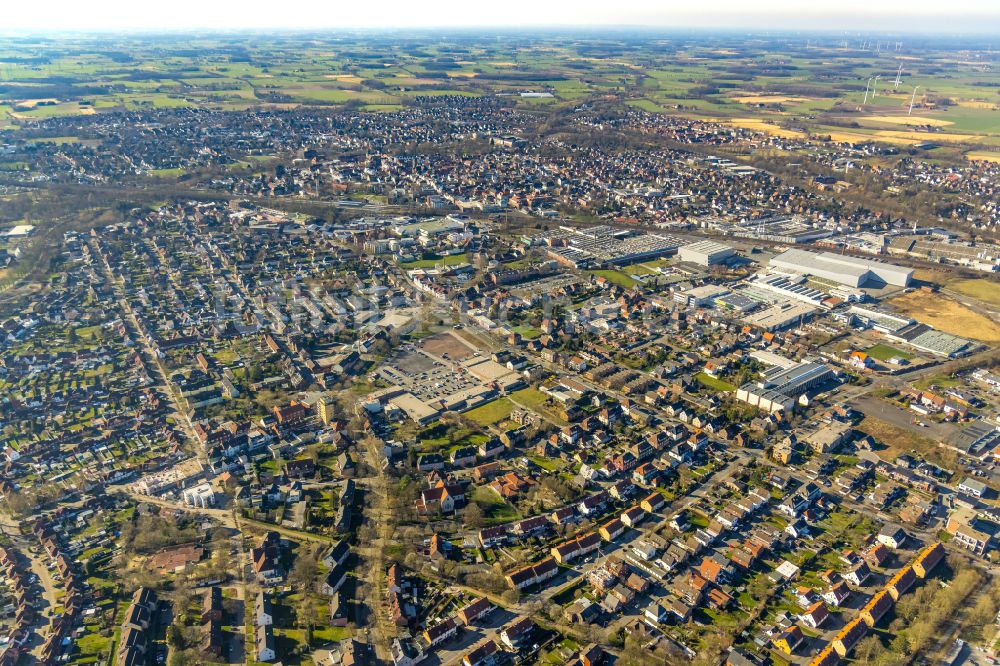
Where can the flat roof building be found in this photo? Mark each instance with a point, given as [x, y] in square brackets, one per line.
[842, 269]
[781, 387]
[780, 316]
[706, 253]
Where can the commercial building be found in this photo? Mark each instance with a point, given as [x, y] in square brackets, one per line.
[430, 228]
[842, 269]
[700, 296]
[781, 387]
[201, 496]
[971, 531]
[778, 317]
[979, 439]
[939, 343]
[604, 245]
[880, 320]
[790, 287]
[706, 253]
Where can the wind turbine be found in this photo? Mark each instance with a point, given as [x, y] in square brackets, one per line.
[867, 85]
[899, 73]
[875, 85]
[912, 97]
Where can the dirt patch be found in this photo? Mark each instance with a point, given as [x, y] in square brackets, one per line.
[946, 315]
[446, 343]
[898, 440]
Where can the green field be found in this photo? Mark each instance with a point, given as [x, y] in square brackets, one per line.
[817, 87]
[530, 397]
[168, 173]
[615, 277]
[527, 332]
[713, 383]
[883, 352]
[535, 400]
[495, 507]
[491, 412]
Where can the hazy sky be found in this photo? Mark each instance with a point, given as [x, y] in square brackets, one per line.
[879, 16]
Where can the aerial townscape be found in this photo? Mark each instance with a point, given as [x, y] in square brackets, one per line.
[492, 348]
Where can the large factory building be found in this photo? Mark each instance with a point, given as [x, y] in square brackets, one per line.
[850, 271]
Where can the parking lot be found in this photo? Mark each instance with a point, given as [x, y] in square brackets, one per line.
[424, 377]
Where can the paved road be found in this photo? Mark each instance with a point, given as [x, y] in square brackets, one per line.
[151, 360]
[38, 565]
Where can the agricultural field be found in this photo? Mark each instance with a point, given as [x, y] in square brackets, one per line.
[779, 85]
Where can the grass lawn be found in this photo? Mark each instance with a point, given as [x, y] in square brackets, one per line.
[491, 412]
[615, 277]
[566, 595]
[527, 332]
[93, 643]
[449, 260]
[498, 510]
[330, 634]
[940, 381]
[697, 520]
[713, 383]
[639, 269]
[548, 464]
[535, 400]
[530, 397]
[226, 356]
[168, 173]
[883, 352]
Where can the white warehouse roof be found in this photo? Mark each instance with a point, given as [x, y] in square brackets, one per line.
[705, 252]
[840, 268]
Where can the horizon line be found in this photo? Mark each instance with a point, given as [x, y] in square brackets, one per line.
[510, 28]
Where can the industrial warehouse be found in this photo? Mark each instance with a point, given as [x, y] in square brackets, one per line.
[850, 271]
[706, 253]
[781, 387]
